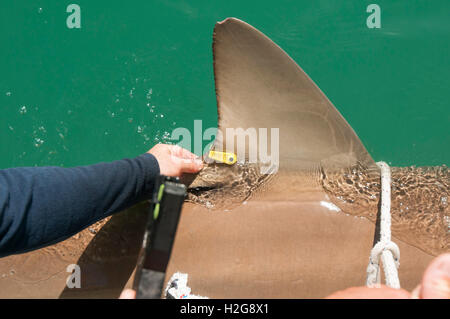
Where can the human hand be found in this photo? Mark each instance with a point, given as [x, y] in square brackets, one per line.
[435, 284]
[174, 160]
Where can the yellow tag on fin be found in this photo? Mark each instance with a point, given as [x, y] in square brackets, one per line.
[222, 157]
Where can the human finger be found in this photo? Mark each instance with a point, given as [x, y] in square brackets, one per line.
[382, 292]
[128, 294]
[436, 279]
[181, 152]
[189, 165]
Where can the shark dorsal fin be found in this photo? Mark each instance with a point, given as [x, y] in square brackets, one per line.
[259, 86]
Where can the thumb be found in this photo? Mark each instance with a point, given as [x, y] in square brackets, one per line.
[436, 280]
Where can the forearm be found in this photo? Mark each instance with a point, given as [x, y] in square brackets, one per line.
[40, 206]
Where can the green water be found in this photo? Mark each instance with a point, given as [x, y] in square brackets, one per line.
[138, 69]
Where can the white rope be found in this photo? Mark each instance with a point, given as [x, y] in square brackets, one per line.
[385, 249]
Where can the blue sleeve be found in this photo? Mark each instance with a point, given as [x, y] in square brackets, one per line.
[40, 206]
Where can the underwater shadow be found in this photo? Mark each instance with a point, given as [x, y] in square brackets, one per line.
[377, 234]
[111, 256]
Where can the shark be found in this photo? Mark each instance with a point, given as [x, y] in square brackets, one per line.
[301, 229]
[317, 147]
[306, 228]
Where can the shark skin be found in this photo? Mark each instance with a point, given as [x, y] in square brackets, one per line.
[303, 232]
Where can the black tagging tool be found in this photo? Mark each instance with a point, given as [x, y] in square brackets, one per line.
[167, 201]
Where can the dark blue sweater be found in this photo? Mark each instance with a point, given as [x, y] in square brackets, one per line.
[40, 206]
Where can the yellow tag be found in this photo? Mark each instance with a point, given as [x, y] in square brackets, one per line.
[227, 158]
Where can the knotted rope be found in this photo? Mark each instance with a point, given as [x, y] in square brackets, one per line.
[385, 249]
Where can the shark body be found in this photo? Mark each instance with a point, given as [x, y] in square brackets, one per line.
[259, 85]
[304, 231]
